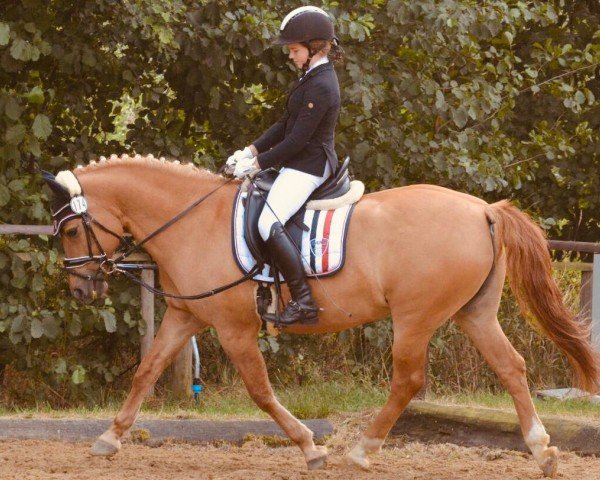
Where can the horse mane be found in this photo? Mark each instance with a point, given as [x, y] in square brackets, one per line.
[175, 166]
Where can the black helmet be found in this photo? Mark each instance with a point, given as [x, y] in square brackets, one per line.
[305, 24]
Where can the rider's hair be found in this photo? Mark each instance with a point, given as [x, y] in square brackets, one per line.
[331, 47]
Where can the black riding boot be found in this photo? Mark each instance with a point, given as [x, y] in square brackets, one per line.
[301, 308]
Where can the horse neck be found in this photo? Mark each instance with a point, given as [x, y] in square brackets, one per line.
[145, 197]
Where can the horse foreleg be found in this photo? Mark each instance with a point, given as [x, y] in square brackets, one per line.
[242, 349]
[409, 353]
[176, 329]
[490, 340]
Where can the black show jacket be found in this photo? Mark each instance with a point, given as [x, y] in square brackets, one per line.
[303, 138]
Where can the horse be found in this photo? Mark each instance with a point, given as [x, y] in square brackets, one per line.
[422, 254]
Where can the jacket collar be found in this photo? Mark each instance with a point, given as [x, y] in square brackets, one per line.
[315, 71]
[318, 63]
[319, 68]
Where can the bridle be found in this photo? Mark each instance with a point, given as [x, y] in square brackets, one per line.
[114, 266]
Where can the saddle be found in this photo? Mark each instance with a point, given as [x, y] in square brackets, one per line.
[335, 186]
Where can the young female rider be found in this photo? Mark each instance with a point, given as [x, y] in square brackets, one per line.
[302, 142]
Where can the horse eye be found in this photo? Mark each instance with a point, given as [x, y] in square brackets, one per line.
[71, 232]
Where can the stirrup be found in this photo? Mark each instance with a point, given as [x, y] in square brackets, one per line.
[293, 314]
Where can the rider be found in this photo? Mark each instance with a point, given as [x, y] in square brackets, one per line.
[302, 142]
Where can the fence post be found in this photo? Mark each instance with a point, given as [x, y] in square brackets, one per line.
[147, 306]
[585, 296]
[179, 377]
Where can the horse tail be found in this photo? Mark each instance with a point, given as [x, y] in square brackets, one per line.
[529, 271]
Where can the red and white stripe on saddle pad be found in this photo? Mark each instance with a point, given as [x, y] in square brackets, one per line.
[323, 246]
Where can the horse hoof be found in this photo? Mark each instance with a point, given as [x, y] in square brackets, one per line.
[101, 448]
[550, 465]
[319, 460]
[356, 460]
[317, 463]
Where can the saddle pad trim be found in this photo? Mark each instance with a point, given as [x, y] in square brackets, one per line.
[237, 202]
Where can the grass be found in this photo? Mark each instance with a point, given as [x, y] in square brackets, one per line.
[315, 400]
[324, 399]
[217, 402]
[547, 406]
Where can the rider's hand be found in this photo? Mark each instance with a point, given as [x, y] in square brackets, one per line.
[239, 155]
[244, 166]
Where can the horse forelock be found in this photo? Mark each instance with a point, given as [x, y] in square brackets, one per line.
[149, 161]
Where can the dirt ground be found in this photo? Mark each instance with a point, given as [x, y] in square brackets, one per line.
[36, 460]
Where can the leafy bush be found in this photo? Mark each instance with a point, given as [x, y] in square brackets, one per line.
[495, 98]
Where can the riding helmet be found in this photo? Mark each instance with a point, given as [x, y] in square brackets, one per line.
[305, 24]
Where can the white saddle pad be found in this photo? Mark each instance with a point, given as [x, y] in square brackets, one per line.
[323, 246]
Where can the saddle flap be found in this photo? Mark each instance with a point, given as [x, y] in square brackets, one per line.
[254, 203]
[264, 179]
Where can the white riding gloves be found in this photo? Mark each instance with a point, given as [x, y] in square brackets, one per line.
[244, 166]
[239, 155]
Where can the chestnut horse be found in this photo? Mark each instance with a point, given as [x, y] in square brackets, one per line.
[423, 254]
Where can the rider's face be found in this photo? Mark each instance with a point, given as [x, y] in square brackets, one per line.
[298, 53]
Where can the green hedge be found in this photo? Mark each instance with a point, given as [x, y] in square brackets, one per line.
[494, 98]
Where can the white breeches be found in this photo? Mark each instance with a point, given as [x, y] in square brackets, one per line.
[289, 192]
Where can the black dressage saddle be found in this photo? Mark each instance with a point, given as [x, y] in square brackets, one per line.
[334, 187]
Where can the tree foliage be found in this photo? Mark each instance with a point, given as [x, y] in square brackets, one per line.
[496, 98]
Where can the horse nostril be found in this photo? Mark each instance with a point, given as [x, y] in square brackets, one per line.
[78, 294]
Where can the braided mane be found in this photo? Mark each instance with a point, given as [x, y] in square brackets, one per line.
[162, 163]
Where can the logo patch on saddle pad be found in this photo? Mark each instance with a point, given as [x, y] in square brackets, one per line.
[322, 246]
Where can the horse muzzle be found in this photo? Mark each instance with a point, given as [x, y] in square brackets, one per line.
[88, 291]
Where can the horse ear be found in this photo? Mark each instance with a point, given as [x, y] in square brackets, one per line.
[61, 194]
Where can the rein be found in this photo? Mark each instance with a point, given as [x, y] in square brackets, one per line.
[162, 228]
[109, 266]
[198, 296]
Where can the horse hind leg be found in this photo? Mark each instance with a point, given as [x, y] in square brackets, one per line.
[409, 353]
[480, 323]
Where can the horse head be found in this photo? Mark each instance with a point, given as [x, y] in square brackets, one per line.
[89, 232]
